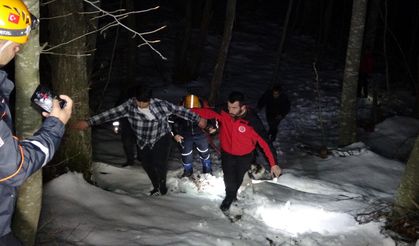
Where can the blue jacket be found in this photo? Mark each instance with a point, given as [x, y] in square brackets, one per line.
[19, 159]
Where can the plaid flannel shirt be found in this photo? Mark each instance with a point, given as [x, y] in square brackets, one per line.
[148, 131]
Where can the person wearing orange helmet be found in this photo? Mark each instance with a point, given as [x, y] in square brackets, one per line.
[190, 136]
[20, 158]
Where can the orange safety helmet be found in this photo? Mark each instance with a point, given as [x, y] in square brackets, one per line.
[192, 101]
[16, 21]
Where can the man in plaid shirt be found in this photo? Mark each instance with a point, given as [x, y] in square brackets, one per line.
[149, 120]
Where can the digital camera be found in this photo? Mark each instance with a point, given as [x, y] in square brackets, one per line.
[43, 97]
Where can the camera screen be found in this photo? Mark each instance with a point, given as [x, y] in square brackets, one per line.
[43, 97]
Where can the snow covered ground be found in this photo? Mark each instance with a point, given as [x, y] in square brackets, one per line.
[316, 202]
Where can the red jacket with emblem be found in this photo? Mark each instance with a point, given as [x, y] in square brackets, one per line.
[237, 137]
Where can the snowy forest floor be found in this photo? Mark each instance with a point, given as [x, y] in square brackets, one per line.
[330, 201]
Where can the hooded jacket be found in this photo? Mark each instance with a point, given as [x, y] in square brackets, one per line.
[19, 159]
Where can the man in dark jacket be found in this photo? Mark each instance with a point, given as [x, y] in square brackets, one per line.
[20, 158]
[277, 106]
[239, 134]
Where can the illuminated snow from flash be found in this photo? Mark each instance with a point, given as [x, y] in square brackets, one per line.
[299, 219]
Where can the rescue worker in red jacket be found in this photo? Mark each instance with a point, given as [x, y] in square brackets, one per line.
[238, 139]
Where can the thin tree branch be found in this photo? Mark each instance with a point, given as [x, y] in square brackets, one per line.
[66, 54]
[128, 28]
[117, 22]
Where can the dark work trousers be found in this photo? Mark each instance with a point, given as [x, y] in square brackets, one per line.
[200, 142]
[128, 140]
[234, 169]
[154, 161]
[273, 123]
[9, 240]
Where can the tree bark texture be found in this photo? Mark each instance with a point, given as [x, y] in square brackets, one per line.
[417, 90]
[350, 77]
[372, 24]
[93, 24]
[196, 59]
[223, 52]
[27, 121]
[407, 196]
[182, 72]
[69, 76]
[281, 45]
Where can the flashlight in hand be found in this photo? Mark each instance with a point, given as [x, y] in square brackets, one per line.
[115, 125]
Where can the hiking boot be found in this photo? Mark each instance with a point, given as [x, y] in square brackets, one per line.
[155, 192]
[163, 187]
[186, 174]
[225, 205]
[206, 166]
[163, 190]
[187, 170]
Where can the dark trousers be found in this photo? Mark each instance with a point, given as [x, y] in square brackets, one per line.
[154, 161]
[273, 123]
[234, 168]
[128, 140]
[200, 142]
[9, 240]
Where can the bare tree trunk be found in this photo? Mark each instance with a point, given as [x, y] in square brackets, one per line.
[385, 46]
[372, 24]
[342, 30]
[324, 27]
[350, 76]
[407, 196]
[308, 18]
[417, 90]
[414, 57]
[223, 52]
[91, 39]
[297, 15]
[327, 25]
[69, 76]
[196, 60]
[282, 42]
[28, 120]
[181, 73]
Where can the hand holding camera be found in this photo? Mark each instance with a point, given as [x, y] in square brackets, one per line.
[60, 110]
[51, 105]
[43, 97]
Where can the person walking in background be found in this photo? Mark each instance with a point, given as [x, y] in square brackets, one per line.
[365, 69]
[239, 134]
[20, 158]
[277, 106]
[149, 117]
[189, 135]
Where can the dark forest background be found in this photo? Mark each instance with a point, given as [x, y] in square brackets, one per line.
[395, 31]
[97, 51]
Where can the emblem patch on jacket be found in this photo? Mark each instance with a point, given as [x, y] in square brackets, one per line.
[1, 142]
[242, 129]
